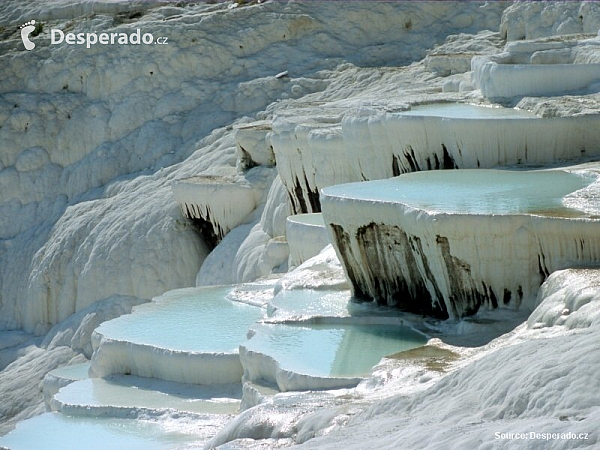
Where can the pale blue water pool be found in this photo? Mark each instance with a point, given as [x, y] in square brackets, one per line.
[74, 372]
[113, 394]
[465, 111]
[193, 320]
[473, 191]
[52, 431]
[332, 350]
[309, 302]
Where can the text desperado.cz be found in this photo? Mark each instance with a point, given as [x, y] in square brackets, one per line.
[89, 39]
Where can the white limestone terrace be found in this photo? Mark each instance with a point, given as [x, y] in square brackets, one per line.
[553, 66]
[306, 237]
[376, 141]
[127, 397]
[310, 154]
[71, 391]
[253, 145]
[370, 142]
[560, 43]
[219, 203]
[455, 54]
[451, 136]
[447, 243]
[63, 376]
[73, 432]
[187, 336]
[319, 339]
[322, 353]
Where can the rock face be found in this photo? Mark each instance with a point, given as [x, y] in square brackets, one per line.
[449, 253]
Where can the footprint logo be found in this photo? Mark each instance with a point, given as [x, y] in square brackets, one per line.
[26, 29]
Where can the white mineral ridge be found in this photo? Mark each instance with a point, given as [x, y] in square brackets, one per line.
[253, 145]
[223, 201]
[532, 68]
[309, 156]
[502, 81]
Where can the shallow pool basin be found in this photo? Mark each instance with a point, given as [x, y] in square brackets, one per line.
[186, 335]
[302, 356]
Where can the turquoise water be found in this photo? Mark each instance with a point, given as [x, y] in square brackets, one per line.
[132, 392]
[472, 191]
[194, 320]
[74, 372]
[345, 350]
[464, 111]
[52, 431]
[308, 302]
